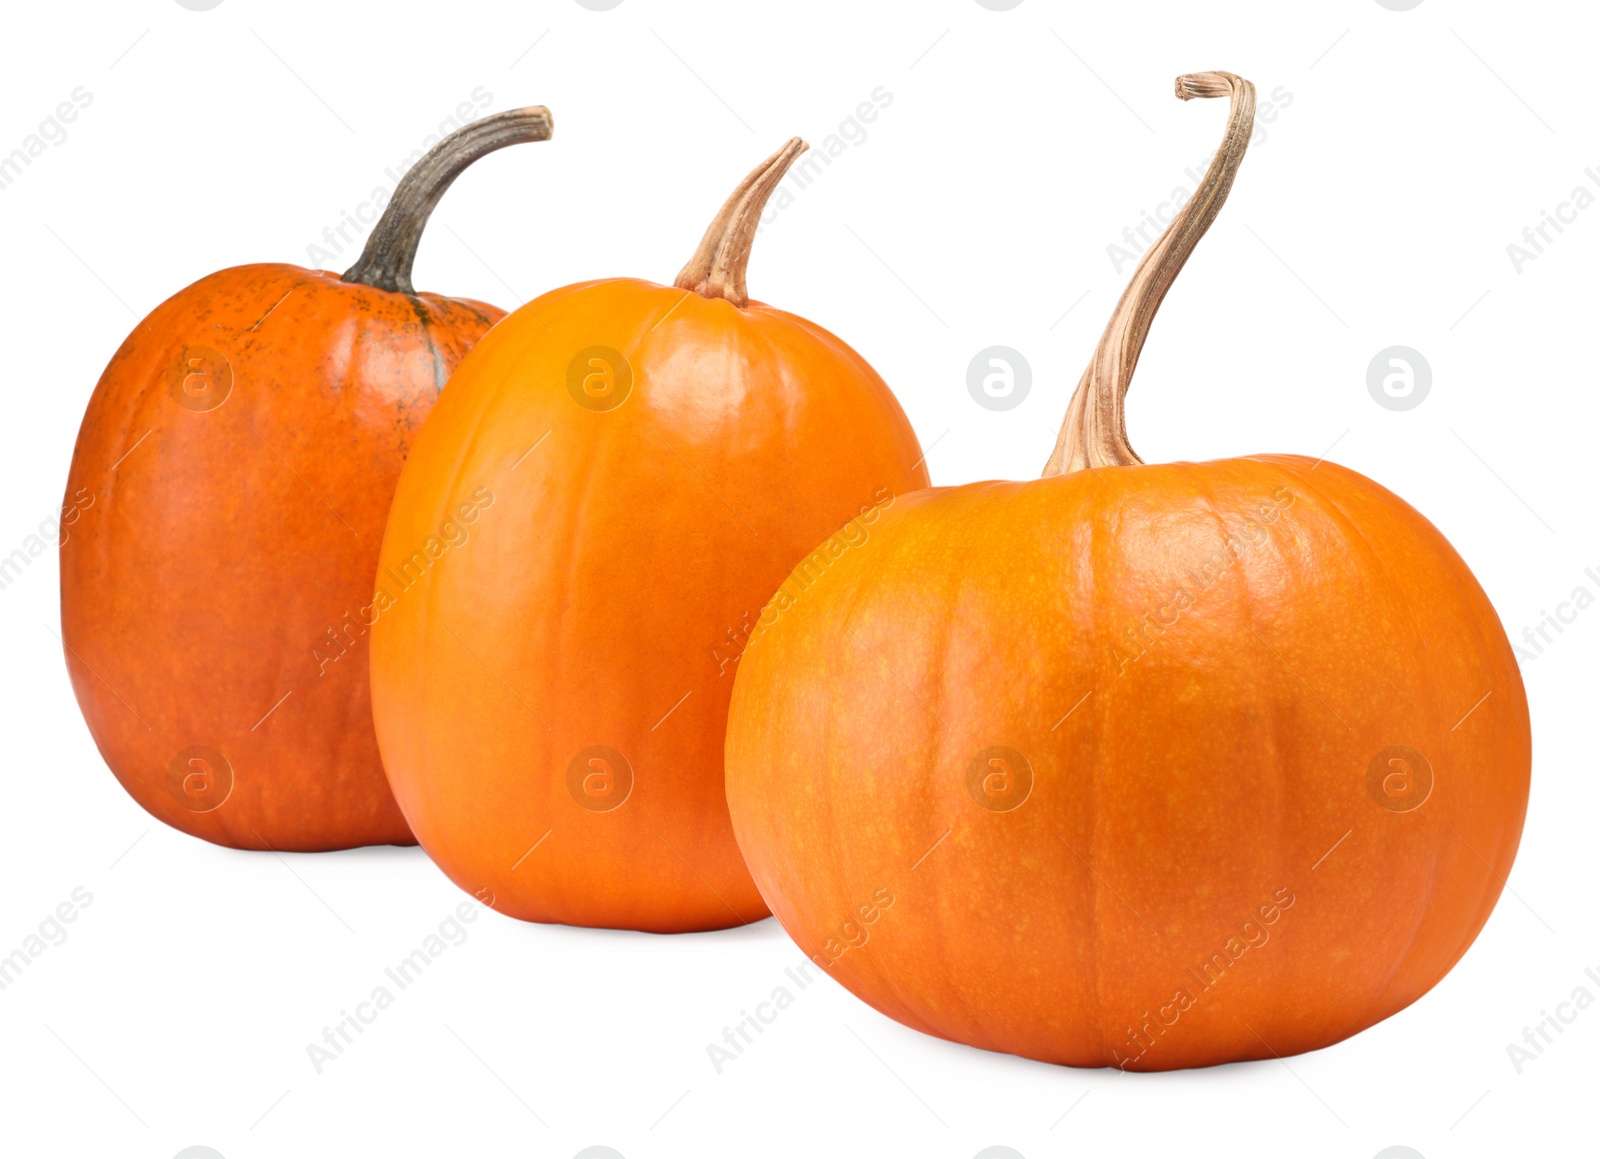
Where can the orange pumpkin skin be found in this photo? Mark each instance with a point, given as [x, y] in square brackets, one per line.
[600, 597]
[1209, 854]
[213, 595]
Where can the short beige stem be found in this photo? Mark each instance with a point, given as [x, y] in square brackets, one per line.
[718, 267]
[1095, 433]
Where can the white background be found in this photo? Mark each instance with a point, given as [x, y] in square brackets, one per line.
[977, 212]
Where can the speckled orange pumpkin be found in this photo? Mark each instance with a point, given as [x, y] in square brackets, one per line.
[240, 452]
[1135, 766]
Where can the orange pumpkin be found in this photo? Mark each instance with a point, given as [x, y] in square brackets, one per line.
[240, 451]
[1136, 766]
[617, 477]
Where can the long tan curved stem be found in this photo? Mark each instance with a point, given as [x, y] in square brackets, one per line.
[1095, 433]
[718, 267]
[392, 248]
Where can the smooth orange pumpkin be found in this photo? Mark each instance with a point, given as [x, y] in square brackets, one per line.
[1136, 766]
[242, 447]
[616, 479]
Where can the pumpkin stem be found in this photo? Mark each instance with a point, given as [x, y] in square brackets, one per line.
[1095, 433]
[717, 269]
[386, 261]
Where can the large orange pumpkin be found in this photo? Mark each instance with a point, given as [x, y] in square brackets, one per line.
[243, 445]
[1136, 766]
[616, 479]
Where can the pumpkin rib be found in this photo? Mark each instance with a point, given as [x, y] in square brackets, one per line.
[713, 458]
[1101, 561]
[1491, 884]
[1489, 889]
[1489, 648]
[1404, 960]
[428, 671]
[831, 794]
[1323, 508]
[1249, 604]
[1381, 996]
[955, 594]
[932, 742]
[864, 588]
[440, 374]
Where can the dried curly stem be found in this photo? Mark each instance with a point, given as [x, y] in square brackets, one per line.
[718, 267]
[1095, 432]
[387, 259]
